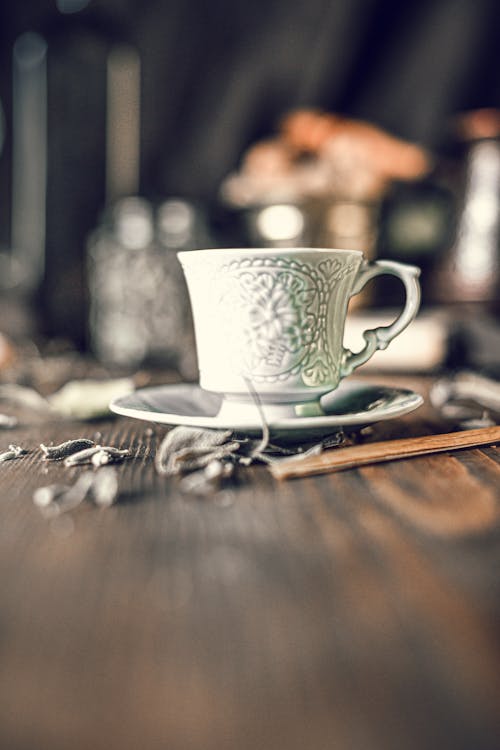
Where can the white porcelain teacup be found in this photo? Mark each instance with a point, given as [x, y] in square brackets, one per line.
[271, 322]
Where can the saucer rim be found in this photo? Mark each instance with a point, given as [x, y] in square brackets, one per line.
[361, 418]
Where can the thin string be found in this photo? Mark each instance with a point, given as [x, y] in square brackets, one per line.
[264, 442]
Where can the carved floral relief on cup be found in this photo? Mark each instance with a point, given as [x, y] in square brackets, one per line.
[279, 322]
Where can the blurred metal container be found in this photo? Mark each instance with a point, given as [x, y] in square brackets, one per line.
[470, 270]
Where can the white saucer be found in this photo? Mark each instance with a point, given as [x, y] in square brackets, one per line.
[353, 405]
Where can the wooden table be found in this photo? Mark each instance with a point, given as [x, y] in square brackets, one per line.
[355, 611]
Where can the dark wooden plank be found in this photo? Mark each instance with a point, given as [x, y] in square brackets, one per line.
[331, 612]
[438, 495]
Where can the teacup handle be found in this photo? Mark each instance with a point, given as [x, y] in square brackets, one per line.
[380, 338]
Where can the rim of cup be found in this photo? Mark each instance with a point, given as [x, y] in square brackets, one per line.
[268, 251]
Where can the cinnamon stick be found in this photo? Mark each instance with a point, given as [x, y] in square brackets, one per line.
[338, 459]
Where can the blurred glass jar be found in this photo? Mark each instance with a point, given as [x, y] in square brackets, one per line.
[139, 306]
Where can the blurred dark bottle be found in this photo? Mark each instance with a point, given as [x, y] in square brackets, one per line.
[139, 306]
[73, 77]
[22, 261]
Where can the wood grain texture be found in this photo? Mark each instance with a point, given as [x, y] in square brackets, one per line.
[354, 611]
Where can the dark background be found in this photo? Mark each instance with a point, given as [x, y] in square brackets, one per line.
[216, 76]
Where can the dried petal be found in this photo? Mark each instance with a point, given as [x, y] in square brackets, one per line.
[89, 399]
[86, 456]
[109, 455]
[68, 448]
[82, 456]
[207, 480]
[191, 459]
[101, 458]
[61, 498]
[44, 496]
[100, 487]
[182, 442]
[104, 488]
[17, 450]
[14, 451]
